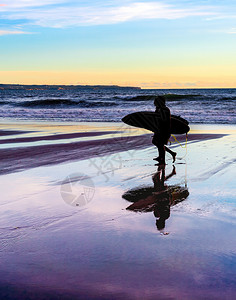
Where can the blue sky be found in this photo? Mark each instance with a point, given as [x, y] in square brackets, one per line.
[148, 43]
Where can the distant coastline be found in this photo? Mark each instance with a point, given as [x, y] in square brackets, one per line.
[63, 87]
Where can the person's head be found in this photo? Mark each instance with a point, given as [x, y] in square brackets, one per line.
[160, 101]
[160, 224]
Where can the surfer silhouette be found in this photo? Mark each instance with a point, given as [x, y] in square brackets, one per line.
[157, 199]
[163, 202]
[161, 137]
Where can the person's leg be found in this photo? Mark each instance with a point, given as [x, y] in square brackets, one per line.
[171, 152]
[161, 150]
[155, 143]
[156, 158]
[160, 144]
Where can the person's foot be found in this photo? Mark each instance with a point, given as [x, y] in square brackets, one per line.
[174, 156]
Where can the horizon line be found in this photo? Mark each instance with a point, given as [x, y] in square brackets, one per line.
[116, 85]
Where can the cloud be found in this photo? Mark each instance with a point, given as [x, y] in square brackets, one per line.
[7, 32]
[194, 84]
[227, 31]
[232, 31]
[49, 13]
[31, 3]
[168, 84]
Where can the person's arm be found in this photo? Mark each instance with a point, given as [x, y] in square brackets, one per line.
[164, 113]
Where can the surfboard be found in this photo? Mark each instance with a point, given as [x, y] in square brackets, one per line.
[144, 199]
[150, 120]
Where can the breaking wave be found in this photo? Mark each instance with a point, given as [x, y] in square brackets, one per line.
[63, 103]
[168, 97]
[4, 102]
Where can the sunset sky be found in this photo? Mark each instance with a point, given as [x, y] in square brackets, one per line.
[152, 44]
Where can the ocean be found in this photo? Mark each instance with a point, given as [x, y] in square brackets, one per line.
[110, 104]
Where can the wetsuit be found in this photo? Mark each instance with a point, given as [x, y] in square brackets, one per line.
[162, 136]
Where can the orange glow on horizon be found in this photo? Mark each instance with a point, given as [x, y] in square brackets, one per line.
[121, 78]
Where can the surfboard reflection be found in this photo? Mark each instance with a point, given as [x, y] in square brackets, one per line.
[158, 198]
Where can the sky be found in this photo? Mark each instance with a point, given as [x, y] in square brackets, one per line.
[150, 44]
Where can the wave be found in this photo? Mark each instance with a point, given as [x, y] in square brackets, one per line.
[63, 103]
[139, 98]
[168, 97]
[228, 98]
[4, 102]
[179, 96]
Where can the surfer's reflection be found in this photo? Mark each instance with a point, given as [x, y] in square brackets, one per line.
[158, 199]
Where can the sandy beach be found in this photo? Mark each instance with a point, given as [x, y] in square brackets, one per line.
[66, 232]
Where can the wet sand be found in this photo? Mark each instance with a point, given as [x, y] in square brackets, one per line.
[27, 151]
[66, 232]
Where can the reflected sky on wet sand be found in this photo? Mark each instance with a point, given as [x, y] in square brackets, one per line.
[103, 251]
